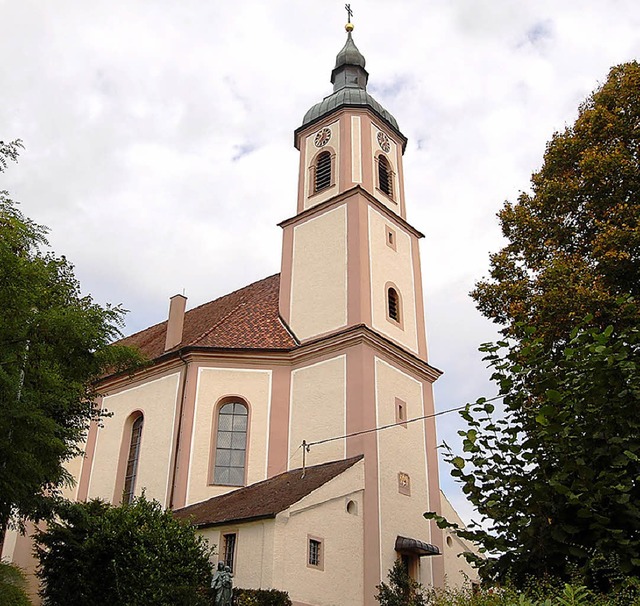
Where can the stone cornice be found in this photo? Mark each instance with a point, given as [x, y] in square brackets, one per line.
[260, 358]
[340, 198]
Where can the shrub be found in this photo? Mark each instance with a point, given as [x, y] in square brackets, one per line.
[260, 597]
[136, 554]
[402, 590]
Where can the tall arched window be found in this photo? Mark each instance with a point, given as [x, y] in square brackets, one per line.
[393, 304]
[132, 460]
[323, 171]
[231, 444]
[385, 180]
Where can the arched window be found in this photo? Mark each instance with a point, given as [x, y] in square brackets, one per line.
[231, 444]
[323, 171]
[393, 304]
[132, 460]
[385, 180]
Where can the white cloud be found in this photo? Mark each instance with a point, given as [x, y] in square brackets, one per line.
[159, 134]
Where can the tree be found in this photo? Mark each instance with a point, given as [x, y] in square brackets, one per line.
[402, 590]
[54, 345]
[13, 586]
[556, 476]
[574, 242]
[135, 554]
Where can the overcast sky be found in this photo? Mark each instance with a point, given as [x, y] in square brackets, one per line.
[159, 136]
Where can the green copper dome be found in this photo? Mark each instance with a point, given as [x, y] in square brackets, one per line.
[350, 55]
[348, 97]
[349, 78]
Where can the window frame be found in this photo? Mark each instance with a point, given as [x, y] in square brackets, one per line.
[224, 538]
[399, 321]
[391, 238]
[320, 555]
[401, 412]
[124, 454]
[391, 177]
[313, 166]
[213, 455]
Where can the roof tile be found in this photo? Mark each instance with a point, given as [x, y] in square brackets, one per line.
[244, 319]
[264, 499]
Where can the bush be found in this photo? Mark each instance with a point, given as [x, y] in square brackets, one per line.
[260, 597]
[402, 590]
[12, 586]
[136, 554]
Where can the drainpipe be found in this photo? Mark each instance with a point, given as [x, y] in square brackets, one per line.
[183, 395]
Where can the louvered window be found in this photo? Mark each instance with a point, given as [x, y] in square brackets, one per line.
[393, 304]
[385, 181]
[132, 460]
[323, 171]
[231, 444]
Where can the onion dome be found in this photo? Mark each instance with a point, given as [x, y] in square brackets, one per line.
[349, 78]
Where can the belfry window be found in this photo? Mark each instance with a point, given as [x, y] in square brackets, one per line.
[385, 176]
[393, 304]
[323, 171]
[231, 444]
[131, 472]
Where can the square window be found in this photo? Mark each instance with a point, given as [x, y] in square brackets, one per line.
[315, 553]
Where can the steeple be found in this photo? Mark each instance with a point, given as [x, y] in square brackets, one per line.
[349, 70]
[349, 78]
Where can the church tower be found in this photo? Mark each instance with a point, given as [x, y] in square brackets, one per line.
[351, 293]
[349, 256]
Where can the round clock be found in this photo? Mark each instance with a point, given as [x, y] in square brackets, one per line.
[383, 141]
[322, 137]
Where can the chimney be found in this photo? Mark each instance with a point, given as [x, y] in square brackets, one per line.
[177, 305]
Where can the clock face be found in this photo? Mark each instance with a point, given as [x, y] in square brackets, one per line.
[383, 141]
[322, 137]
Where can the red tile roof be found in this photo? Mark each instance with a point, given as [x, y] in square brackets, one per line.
[264, 499]
[244, 319]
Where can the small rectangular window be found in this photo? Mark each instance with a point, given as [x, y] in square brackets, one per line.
[401, 412]
[229, 550]
[391, 237]
[315, 552]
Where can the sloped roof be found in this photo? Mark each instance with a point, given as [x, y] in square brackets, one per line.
[264, 499]
[244, 319]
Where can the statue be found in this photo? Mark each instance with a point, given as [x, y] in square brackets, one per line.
[222, 586]
[216, 574]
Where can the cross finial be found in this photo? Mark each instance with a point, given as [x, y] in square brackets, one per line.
[349, 12]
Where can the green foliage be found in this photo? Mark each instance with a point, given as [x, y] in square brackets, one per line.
[557, 474]
[53, 346]
[402, 590]
[12, 583]
[574, 242]
[555, 471]
[260, 597]
[135, 554]
[541, 593]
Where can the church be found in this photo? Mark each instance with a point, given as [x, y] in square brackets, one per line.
[292, 420]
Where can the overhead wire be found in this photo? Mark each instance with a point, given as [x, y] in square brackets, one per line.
[307, 445]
